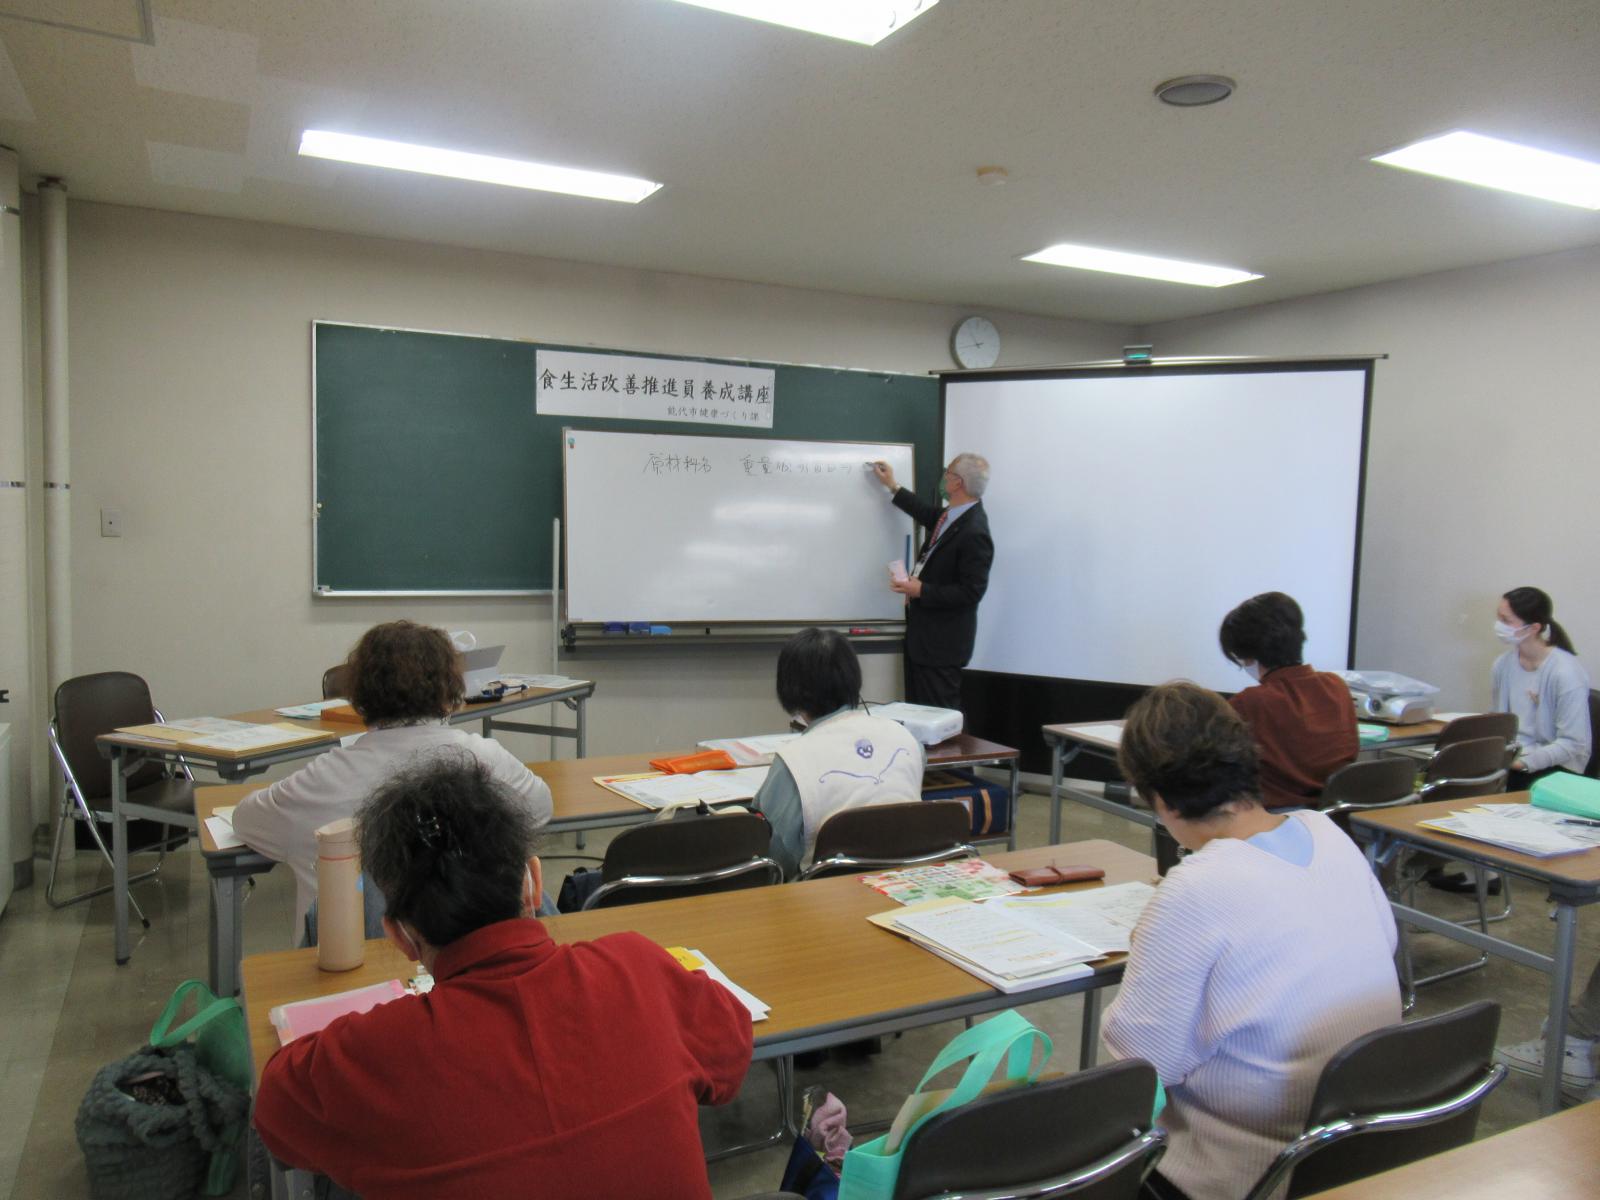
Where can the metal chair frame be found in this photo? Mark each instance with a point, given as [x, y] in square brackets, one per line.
[1150, 1146]
[748, 866]
[1322, 1136]
[841, 864]
[75, 808]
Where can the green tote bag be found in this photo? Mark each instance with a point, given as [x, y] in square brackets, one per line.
[222, 1047]
[871, 1169]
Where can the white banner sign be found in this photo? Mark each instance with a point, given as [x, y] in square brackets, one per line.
[571, 383]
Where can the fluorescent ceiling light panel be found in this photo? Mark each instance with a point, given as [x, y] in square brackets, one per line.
[1490, 162]
[481, 168]
[864, 21]
[1118, 262]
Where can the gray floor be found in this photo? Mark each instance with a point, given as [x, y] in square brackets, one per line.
[65, 1010]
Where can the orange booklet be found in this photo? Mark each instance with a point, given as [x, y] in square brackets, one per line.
[688, 764]
[340, 712]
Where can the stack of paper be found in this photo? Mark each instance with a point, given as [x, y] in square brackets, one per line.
[1004, 950]
[757, 751]
[1111, 732]
[540, 681]
[693, 960]
[220, 823]
[1103, 917]
[1524, 834]
[308, 712]
[218, 734]
[969, 879]
[657, 791]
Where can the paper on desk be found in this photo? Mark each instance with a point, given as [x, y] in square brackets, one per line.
[541, 681]
[310, 711]
[1102, 917]
[1523, 836]
[251, 737]
[658, 791]
[992, 942]
[209, 726]
[1448, 717]
[1109, 732]
[1560, 822]
[757, 751]
[694, 960]
[222, 833]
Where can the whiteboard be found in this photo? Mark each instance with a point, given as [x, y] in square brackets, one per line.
[665, 528]
[1131, 512]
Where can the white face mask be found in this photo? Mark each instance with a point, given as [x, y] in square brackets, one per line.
[1510, 634]
[1252, 669]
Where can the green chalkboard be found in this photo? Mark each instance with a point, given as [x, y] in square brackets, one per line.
[434, 473]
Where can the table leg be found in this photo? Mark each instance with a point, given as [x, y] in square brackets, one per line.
[1555, 1034]
[119, 855]
[1055, 793]
[583, 726]
[1089, 1043]
[227, 899]
[1016, 801]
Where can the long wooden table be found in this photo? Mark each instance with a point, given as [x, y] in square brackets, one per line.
[578, 803]
[806, 949]
[1550, 1157]
[127, 753]
[1573, 880]
[1067, 742]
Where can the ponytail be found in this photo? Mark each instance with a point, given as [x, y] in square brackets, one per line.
[1558, 638]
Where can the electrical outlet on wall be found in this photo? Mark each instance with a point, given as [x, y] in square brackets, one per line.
[110, 522]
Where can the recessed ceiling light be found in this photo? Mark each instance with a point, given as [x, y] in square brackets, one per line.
[1490, 162]
[481, 168]
[864, 21]
[1192, 91]
[1118, 262]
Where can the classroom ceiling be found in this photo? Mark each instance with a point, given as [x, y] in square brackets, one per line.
[794, 159]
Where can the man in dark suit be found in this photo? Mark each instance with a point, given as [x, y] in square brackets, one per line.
[950, 576]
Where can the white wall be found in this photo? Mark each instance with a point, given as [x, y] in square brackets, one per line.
[1482, 471]
[191, 415]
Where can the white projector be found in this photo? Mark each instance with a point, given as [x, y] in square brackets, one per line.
[928, 725]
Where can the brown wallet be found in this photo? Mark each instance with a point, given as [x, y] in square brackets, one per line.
[1051, 876]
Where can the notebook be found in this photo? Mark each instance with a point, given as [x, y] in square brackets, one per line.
[307, 1016]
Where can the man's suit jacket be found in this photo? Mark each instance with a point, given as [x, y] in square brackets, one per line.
[942, 623]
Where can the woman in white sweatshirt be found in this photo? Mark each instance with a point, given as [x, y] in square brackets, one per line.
[405, 681]
[1263, 953]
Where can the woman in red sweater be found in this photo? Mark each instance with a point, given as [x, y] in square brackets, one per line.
[1303, 720]
[531, 1068]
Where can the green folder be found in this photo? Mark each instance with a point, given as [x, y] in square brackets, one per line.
[1565, 792]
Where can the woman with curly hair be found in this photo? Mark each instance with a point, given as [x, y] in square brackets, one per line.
[405, 681]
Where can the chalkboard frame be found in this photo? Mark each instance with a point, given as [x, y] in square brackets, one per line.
[332, 580]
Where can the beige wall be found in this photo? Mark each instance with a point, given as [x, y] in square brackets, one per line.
[1482, 471]
[191, 415]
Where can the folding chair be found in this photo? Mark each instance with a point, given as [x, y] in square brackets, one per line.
[85, 707]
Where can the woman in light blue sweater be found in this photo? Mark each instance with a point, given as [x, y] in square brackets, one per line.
[1541, 680]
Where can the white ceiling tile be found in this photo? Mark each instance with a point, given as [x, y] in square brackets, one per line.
[197, 168]
[198, 60]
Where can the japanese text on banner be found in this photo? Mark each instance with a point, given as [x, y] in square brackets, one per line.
[575, 384]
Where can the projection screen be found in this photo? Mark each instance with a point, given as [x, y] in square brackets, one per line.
[1132, 508]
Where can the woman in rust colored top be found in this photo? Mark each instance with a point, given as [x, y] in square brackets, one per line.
[1303, 719]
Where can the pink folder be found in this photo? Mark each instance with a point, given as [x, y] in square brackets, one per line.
[308, 1016]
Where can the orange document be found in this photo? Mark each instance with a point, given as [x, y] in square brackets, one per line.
[688, 764]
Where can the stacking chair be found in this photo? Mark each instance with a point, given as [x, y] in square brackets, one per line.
[336, 683]
[1464, 729]
[687, 855]
[1368, 783]
[1463, 770]
[1087, 1136]
[87, 706]
[1390, 1097]
[886, 836]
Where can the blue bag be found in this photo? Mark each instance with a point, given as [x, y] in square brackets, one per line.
[870, 1170]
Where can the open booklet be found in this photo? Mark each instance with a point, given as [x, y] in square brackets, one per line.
[222, 736]
[655, 790]
[1014, 943]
